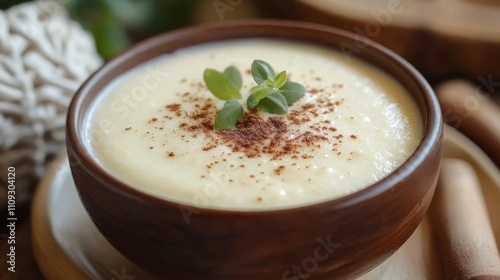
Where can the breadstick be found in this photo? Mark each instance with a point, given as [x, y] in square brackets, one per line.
[460, 220]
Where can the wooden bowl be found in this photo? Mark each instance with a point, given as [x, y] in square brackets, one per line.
[341, 238]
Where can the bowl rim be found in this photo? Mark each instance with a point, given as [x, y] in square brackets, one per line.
[431, 136]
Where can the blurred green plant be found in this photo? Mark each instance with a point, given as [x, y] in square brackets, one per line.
[118, 24]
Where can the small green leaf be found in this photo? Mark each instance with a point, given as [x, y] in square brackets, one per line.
[251, 101]
[280, 79]
[274, 103]
[268, 83]
[234, 77]
[258, 95]
[255, 88]
[229, 115]
[262, 71]
[261, 93]
[292, 91]
[219, 85]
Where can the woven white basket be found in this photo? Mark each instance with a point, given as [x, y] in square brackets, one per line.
[44, 58]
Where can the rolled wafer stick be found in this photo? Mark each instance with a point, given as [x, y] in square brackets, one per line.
[460, 220]
[469, 109]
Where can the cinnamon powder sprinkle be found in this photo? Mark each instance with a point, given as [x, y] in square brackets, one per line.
[279, 170]
[314, 90]
[175, 107]
[256, 135]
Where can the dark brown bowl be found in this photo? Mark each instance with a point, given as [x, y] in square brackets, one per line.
[341, 238]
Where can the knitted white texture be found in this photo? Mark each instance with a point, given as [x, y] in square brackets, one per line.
[44, 58]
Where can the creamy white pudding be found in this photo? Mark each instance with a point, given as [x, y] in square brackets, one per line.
[152, 128]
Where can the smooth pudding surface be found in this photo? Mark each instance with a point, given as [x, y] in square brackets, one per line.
[152, 128]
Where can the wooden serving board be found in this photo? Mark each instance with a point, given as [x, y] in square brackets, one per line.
[68, 246]
[442, 38]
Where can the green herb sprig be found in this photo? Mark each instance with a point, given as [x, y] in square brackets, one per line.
[273, 93]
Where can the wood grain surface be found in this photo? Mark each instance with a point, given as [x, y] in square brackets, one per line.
[442, 39]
